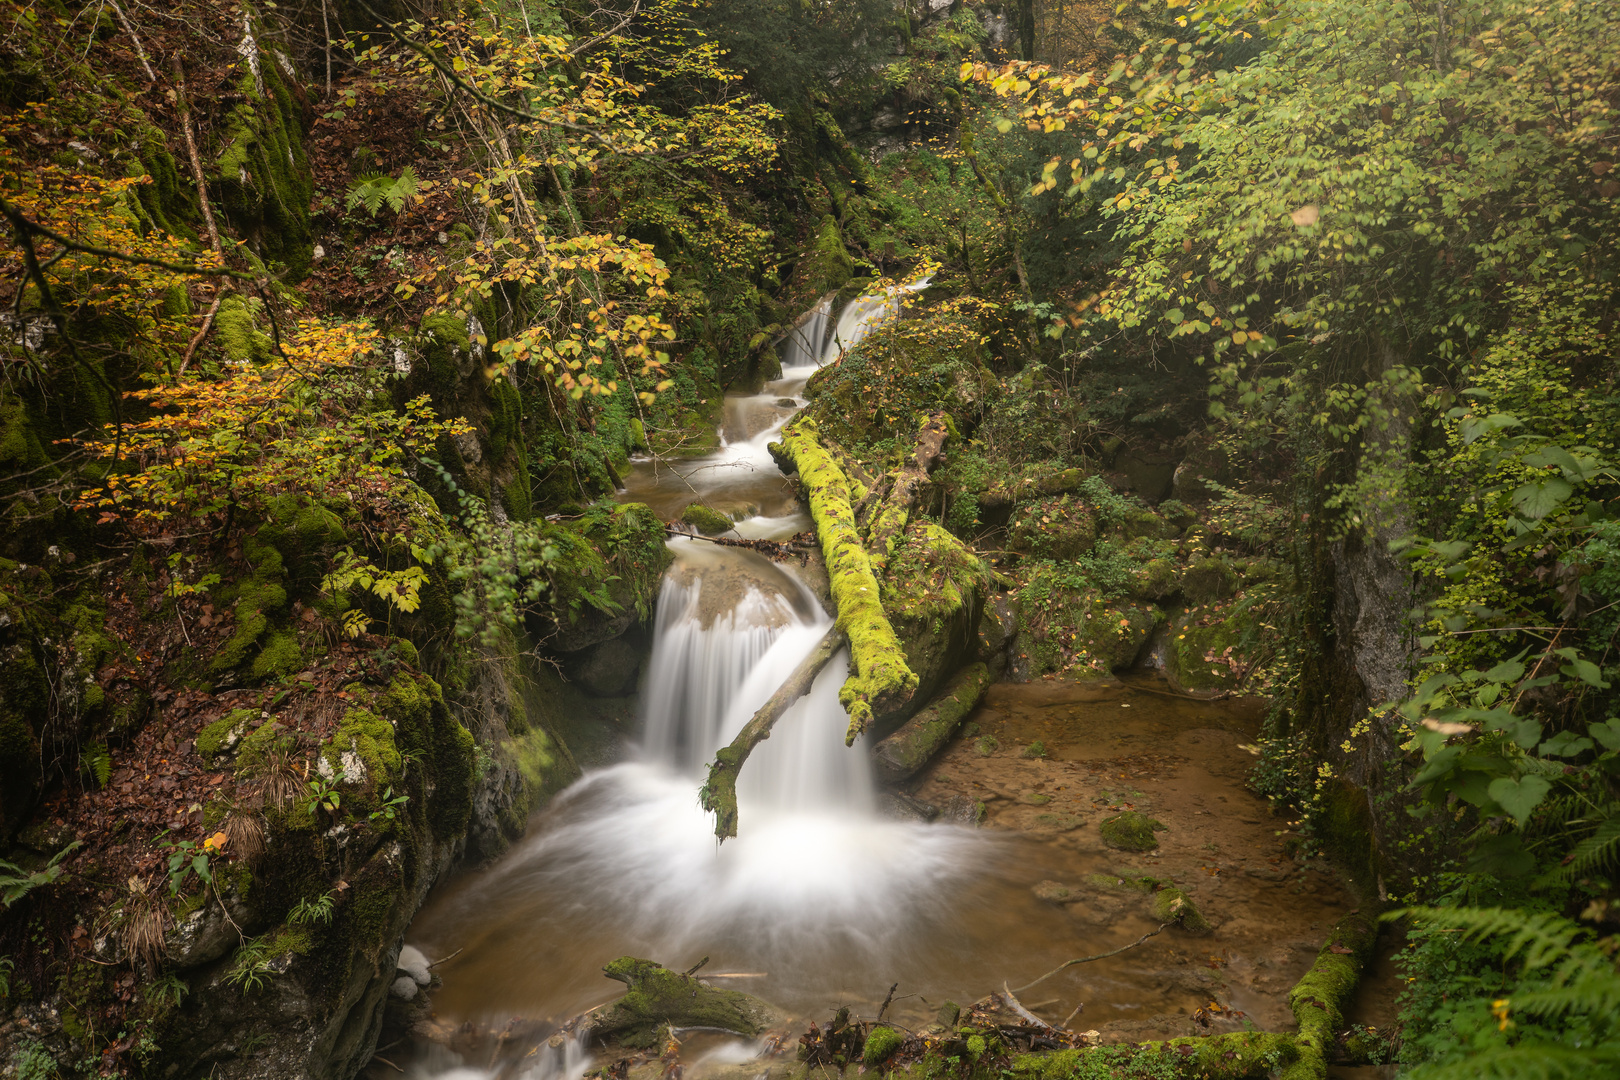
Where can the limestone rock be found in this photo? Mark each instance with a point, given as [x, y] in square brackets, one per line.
[404, 988]
[1131, 831]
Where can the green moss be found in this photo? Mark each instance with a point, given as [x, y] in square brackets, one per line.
[882, 678]
[1209, 579]
[1058, 528]
[1170, 904]
[212, 740]
[658, 997]
[918, 739]
[1201, 646]
[258, 597]
[1130, 831]
[370, 738]
[1067, 627]
[280, 655]
[881, 1043]
[1320, 998]
[236, 333]
[706, 521]
[829, 263]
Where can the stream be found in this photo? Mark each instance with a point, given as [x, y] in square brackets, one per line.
[824, 901]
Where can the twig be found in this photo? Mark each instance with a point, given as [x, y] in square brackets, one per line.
[447, 959]
[385, 1061]
[1017, 1006]
[890, 997]
[326, 40]
[191, 150]
[151, 76]
[1072, 1015]
[1089, 959]
[208, 321]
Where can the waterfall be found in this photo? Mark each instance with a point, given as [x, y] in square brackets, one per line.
[802, 347]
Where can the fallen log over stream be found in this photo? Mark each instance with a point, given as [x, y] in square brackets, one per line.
[881, 678]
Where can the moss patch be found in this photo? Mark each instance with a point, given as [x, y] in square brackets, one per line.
[1130, 831]
[706, 521]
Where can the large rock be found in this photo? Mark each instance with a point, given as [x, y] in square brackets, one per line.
[933, 595]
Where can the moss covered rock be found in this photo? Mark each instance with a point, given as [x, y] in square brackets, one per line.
[881, 391]
[1067, 627]
[1130, 831]
[658, 998]
[1170, 904]
[1062, 528]
[933, 593]
[1206, 652]
[706, 521]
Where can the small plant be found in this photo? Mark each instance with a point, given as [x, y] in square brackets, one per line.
[252, 968]
[323, 794]
[373, 190]
[189, 859]
[96, 763]
[278, 775]
[307, 912]
[31, 1061]
[1036, 749]
[5, 976]
[392, 805]
[167, 991]
[244, 831]
[15, 883]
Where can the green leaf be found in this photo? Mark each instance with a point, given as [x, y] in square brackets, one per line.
[1537, 499]
[1607, 733]
[1519, 797]
[1506, 672]
[1474, 428]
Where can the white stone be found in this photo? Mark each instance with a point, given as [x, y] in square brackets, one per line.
[404, 988]
[414, 964]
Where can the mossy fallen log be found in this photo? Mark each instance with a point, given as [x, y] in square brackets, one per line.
[1320, 998]
[659, 997]
[719, 794]
[889, 523]
[919, 738]
[881, 679]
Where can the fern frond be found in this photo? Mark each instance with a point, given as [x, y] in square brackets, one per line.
[1585, 991]
[1527, 1061]
[1597, 853]
[1543, 936]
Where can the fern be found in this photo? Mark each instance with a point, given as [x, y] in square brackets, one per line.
[16, 883]
[1598, 853]
[373, 190]
[1581, 993]
[96, 762]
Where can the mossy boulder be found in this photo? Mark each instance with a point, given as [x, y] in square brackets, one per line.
[1067, 627]
[605, 575]
[1062, 528]
[881, 391]
[706, 521]
[658, 998]
[829, 264]
[1209, 578]
[1205, 650]
[1130, 831]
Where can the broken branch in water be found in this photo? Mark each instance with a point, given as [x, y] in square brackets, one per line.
[719, 794]
[693, 970]
[1088, 959]
[886, 1000]
[1018, 1007]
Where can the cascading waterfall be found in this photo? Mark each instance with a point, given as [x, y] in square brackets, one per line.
[818, 893]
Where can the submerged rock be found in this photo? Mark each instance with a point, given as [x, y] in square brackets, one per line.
[1131, 831]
